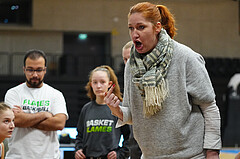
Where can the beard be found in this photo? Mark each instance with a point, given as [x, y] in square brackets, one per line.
[37, 82]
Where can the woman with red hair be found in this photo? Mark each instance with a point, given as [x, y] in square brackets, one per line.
[168, 96]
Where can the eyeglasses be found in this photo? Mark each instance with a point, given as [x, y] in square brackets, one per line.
[31, 71]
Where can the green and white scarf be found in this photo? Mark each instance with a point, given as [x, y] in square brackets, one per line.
[149, 73]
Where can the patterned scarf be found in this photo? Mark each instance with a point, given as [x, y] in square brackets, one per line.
[150, 71]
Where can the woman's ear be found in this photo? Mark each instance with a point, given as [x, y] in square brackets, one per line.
[158, 27]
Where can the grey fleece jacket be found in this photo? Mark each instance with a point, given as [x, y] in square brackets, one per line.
[189, 121]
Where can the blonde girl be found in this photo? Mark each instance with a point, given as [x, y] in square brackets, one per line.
[98, 136]
[6, 125]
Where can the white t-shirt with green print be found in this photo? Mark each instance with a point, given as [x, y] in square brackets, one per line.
[29, 143]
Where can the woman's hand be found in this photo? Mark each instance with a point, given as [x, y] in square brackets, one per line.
[79, 154]
[211, 154]
[113, 103]
[112, 155]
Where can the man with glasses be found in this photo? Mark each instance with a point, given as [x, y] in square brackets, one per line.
[39, 109]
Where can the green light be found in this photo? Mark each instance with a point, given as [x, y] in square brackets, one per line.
[82, 36]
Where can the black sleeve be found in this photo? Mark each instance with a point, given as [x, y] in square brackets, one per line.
[80, 130]
[123, 152]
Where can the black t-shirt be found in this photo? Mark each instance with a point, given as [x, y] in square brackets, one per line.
[97, 135]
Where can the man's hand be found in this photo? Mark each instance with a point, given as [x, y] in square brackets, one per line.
[55, 122]
[25, 120]
[17, 109]
[79, 154]
[48, 114]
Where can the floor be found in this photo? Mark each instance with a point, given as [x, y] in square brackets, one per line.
[229, 153]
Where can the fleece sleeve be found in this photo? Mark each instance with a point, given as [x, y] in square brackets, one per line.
[127, 116]
[212, 137]
[200, 88]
